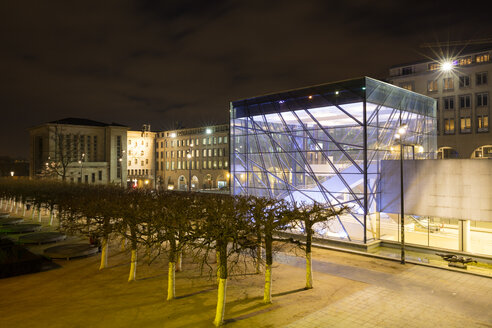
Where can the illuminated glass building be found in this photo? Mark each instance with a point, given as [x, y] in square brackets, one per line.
[325, 143]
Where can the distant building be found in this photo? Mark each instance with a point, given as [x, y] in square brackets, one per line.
[462, 91]
[10, 167]
[141, 157]
[197, 154]
[79, 150]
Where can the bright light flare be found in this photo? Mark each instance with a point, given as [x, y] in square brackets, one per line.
[447, 66]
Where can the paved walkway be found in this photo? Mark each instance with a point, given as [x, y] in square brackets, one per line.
[417, 297]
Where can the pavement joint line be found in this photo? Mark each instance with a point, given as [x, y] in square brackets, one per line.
[382, 257]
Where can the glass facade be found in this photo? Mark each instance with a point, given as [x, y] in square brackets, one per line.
[325, 143]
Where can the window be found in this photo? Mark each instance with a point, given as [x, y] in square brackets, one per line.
[481, 78]
[406, 70]
[220, 140]
[449, 126]
[204, 153]
[482, 58]
[204, 141]
[146, 161]
[225, 164]
[465, 125]
[179, 165]
[146, 171]
[93, 177]
[448, 83]
[142, 153]
[432, 86]
[141, 163]
[129, 163]
[215, 152]
[204, 164]
[197, 141]
[209, 141]
[482, 99]
[215, 164]
[86, 178]
[215, 140]
[465, 61]
[225, 139]
[407, 86]
[209, 164]
[210, 153]
[433, 66]
[100, 175]
[465, 101]
[172, 165]
[448, 102]
[162, 144]
[136, 161]
[464, 81]
[220, 164]
[197, 152]
[167, 166]
[483, 123]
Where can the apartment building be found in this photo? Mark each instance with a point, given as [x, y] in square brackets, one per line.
[460, 86]
[193, 159]
[141, 158]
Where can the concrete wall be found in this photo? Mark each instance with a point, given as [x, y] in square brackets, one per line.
[458, 189]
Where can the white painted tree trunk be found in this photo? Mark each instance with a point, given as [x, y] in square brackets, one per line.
[171, 281]
[17, 205]
[12, 205]
[104, 254]
[39, 214]
[179, 261]
[309, 271]
[1, 202]
[133, 266]
[23, 209]
[221, 300]
[51, 217]
[267, 293]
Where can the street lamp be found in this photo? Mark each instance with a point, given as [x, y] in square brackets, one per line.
[402, 130]
[11, 173]
[80, 162]
[188, 155]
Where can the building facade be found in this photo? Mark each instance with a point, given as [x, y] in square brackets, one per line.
[461, 88]
[197, 155]
[79, 150]
[141, 158]
[325, 144]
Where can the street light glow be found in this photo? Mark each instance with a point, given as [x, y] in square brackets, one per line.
[447, 66]
[402, 129]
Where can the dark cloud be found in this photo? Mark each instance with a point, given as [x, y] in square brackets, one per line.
[164, 62]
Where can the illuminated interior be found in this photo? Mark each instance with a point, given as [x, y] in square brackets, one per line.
[325, 144]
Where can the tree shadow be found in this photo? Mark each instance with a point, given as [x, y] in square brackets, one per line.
[196, 293]
[290, 292]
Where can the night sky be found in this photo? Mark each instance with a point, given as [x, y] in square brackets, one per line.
[162, 62]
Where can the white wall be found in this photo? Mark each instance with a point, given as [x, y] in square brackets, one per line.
[455, 188]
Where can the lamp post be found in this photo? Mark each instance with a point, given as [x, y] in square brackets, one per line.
[402, 129]
[188, 155]
[80, 162]
[121, 171]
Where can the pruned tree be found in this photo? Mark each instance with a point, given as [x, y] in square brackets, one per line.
[269, 216]
[307, 216]
[226, 228]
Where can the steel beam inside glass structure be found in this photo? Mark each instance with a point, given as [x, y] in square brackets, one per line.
[324, 144]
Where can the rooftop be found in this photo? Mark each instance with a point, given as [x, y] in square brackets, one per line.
[83, 121]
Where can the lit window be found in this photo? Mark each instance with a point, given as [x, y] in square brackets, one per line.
[432, 86]
[465, 61]
[142, 153]
[481, 78]
[483, 123]
[129, 163]
[465, 101]
[433, 66]
[220, 140]
[220, 164]
[210, 153]
[136, 161]
[465, 124]
[225, 139]
[179, 165]
[215, 164]
[482, 58]
[482, 99]
[141, 163]
[204, 164]
[204, 141]
[448, 83]
[449, 126]
[204, 153]
[172, 165]
[464, 81]
[225, 164]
